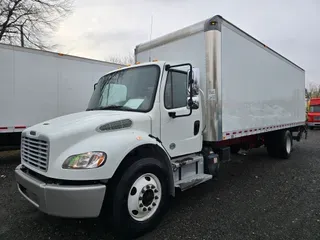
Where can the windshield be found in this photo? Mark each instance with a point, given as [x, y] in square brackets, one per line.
[315, 109]
[129, 89]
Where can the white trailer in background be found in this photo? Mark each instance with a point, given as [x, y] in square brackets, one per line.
[39, 85]
[145, 133]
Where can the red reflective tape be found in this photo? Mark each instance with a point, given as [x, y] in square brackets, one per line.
[19, 127]
[245, 131]
[234, 132]
[240, 131]
[3, 128]
[227, 134]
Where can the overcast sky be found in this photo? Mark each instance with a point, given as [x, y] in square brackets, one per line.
[102, 28]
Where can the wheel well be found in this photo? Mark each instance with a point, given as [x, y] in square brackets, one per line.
[143, 151]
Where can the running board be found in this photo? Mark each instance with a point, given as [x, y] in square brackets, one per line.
[192, 181]
[186, 160]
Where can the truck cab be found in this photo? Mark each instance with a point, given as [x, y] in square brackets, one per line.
[313, 113]
[139, 122]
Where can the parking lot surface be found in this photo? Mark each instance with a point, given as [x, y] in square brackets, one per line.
[255, 197]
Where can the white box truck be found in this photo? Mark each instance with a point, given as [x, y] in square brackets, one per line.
[161, 125]
[39, 85]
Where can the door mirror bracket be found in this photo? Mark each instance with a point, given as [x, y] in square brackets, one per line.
[172, 114]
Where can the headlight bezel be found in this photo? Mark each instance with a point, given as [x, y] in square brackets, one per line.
[94, 159]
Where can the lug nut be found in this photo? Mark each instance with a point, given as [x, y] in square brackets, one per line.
[143, 191]
[156, 190]
[153, 187]
[153, 204]
[144, 209]
[148, 187]
[156, 197]
[149, 208]
[140, 198]
[141, 205]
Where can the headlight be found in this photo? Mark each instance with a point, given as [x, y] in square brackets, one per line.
[85, 160]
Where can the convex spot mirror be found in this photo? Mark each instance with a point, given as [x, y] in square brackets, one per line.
[196, 80]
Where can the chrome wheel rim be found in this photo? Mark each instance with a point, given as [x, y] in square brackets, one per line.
[144, 197]
[288, 145]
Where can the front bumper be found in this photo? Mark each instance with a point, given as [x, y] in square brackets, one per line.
[80, 201]
[313, 124]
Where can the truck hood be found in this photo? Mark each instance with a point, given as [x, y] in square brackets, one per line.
[313, 114]
[57, 137]
[85, 123]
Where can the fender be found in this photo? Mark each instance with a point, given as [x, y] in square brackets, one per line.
[153, 148]
[117, 145]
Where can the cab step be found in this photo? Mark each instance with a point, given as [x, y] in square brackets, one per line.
[192, 181]
[186, 160]
[188, 171]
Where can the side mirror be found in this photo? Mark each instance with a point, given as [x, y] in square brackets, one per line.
[193, 77]
[195, 86]
[94, 86]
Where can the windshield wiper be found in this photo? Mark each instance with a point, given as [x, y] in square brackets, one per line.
[110, 107]
[114, 107]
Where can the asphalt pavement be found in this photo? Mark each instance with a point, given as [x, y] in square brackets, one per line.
[255, 197]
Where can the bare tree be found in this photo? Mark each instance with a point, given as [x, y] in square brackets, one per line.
[314, 91]
[30, 22]
[125, 60]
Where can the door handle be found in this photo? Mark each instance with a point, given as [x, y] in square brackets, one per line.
[196, 127]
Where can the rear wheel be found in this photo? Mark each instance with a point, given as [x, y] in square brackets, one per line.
[279, 144]
[140, 198]
[285, 144]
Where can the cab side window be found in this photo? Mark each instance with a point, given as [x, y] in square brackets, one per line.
[176, 90]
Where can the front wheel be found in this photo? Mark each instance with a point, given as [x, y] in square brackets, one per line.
[140, 198]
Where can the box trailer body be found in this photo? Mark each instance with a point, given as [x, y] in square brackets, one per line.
[39, 85]
[210, 90]
[248, 87]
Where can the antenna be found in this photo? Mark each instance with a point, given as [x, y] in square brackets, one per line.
[151, 25]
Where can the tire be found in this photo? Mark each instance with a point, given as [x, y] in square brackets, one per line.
[141, 198]
[285, 144]
[279, 144]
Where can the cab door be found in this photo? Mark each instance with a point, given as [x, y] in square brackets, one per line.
[179, 135]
